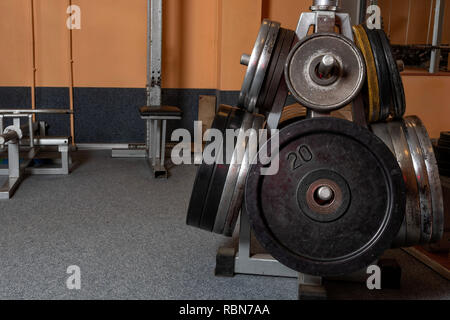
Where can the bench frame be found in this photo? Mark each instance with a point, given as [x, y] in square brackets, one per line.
[27, 149]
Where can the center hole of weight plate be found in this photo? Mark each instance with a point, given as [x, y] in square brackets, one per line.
[324, 70]
[324, 195]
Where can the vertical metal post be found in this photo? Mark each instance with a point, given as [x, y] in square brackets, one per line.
[163, 142]
[356, 10]
[154, 142]
[31, 130]
[158, 139]
[13, 159]
[245, 236]
[437, 35]
[154, 53]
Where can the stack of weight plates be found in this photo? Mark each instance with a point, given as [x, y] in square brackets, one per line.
[218, 191]
[384, 93]
[443, 153]
[409, 142]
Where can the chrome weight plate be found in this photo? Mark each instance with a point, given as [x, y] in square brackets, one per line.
[251, 98]
[331, 90]
[423, 182]
[237, 198]
[276, 74]
[219, 176]
[233, 173]
[327, 212]
[253, 60]
[432, 172]
[204, 173]
[393, 136]
[398, 91]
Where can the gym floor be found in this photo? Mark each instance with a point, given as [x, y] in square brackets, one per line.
[127, 233]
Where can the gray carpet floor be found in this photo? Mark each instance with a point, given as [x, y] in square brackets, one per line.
[127, 233]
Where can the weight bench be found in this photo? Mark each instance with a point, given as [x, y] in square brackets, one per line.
[155, 114]
[23, 143]
[156, 121]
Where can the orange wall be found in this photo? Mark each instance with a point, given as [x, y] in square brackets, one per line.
[203, 41]
[429, 98]
[396, 13]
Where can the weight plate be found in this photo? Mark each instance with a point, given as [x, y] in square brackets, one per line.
[445, 136]
[271, 69]
[381, 130]
[437, 201]
[253, 63]
[444, 172]
[398, 91]
[393, 136]
[292, 114]
[238, 193]
[204, 173]
[263, 64]
[278, 76]
[444, 140]
[219, 175]
[233, 173]
[443, 154]
[371, 89]
[344, 231]
[384, 77]
[423, 181]
[314, 91]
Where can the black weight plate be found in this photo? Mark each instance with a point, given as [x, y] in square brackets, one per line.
[356, 227]
[398, 91]
[445, 136]
[204, 173]
[443, 154]
[270, 72]
[444, 172]
[219, 176]
[384, 77]
[444, 140]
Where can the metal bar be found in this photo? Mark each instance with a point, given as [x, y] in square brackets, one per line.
[127, 153]
[162, 118]
[31, 111]
[437, 35]
[150, 143]
[64, 150]
[33, 55]
[13, 160]
[71, 83]
[9, 187]
[154, 142]
[149, 133]
[409, 21]
[30, 130]
[163, 142]
[154, 48]
[259, 264]
[48, 141]
[158, 139]
[430, 18]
